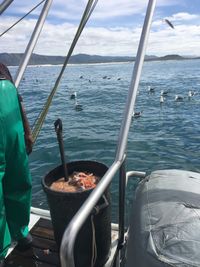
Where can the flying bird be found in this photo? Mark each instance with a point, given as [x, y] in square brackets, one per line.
[169, 23]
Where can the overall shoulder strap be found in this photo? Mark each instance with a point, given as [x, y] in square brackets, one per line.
[4, 71]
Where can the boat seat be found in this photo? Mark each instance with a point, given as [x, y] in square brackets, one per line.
[165, 221]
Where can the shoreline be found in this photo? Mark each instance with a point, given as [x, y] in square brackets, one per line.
[83, 59]
[105, 63]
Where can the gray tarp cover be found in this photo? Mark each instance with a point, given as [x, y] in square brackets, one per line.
[165, 224]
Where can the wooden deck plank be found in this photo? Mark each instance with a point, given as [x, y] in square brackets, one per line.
[42, 232]
[44, 252]
[33, 220]
[19, 262]
[33, 257]
[44, 243]
[43, 229]
[45, 223]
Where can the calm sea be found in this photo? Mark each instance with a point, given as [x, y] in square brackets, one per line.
[166, 136]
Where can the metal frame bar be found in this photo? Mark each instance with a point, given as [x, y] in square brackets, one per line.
[5, 4]
[138, 174]
[70, 234]
[41, 212]
[32, 42]
[122, 188]
[131, 98]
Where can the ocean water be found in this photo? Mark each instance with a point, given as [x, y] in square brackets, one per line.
[165, 136]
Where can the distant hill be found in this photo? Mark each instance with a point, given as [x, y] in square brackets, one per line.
[172, 57]
[13, 59]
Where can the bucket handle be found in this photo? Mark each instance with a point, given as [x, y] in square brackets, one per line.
[58, 130]
[98, 208]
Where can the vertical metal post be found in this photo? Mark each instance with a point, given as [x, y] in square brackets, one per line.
[126, 122]
[122, 187]
[4, 5]
[32, 42]
[70, 234]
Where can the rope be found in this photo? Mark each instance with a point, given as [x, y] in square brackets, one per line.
[41, 117]
[94, 245]
[21, 18]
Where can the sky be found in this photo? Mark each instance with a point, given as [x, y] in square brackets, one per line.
[113, 29]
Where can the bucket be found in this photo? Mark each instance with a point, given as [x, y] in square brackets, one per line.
[64, 205]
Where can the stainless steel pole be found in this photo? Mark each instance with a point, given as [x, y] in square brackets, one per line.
[32, 42]
[4, 5]
[69, 237]
[126, 122]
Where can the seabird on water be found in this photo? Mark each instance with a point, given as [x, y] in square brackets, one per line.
[163, 93]
[78, 107]
[178, 98]
[73, 95]
[137, 114]
[161, 99]
[151, 89]
[191, 93]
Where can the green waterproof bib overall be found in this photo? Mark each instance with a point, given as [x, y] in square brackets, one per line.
[15, 181]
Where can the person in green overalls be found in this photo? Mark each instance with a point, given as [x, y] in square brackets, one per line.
[15, 181]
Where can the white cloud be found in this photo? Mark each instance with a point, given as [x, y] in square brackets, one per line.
[183, 16]
[56, 39]
[70, 9]
[103, 40]
[184, 40]
[108, 9]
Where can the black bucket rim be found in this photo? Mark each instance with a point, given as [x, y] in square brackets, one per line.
[46, 187]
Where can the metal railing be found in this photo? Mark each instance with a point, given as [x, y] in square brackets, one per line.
[70, 234]
[32, 42]
[69, 237]
[4, 5]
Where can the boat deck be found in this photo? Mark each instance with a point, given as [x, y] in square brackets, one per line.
[44, 252]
